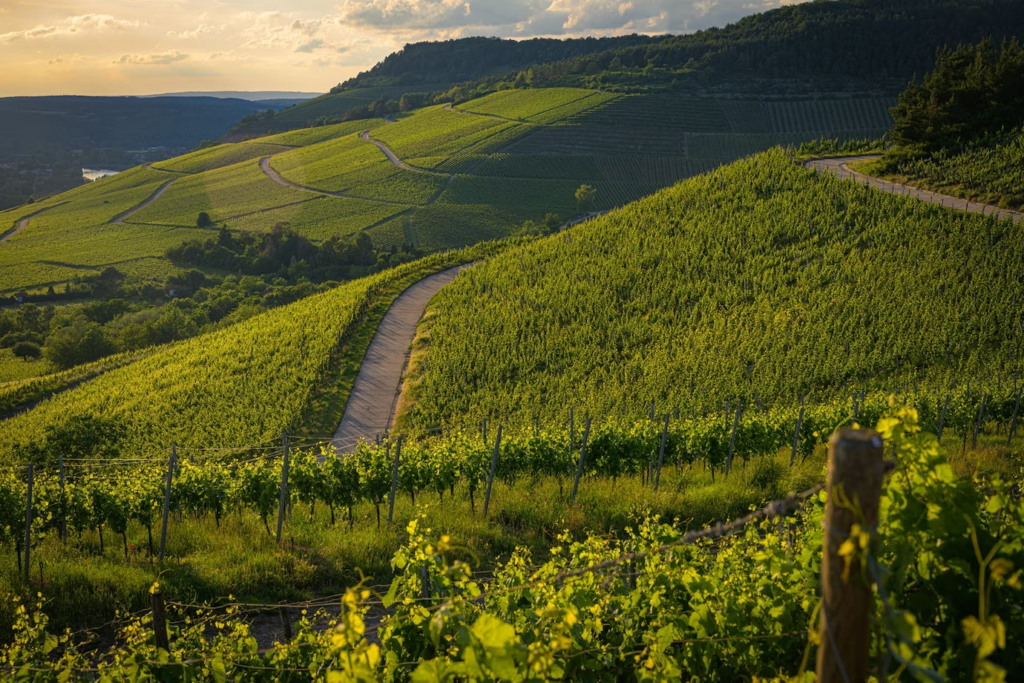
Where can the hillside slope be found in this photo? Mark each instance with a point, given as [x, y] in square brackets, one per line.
[472, 173]
[761, 281]
[241, 385]
[812, 46]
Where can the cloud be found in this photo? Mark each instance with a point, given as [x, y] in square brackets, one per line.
[202, 29]
[524, 18]
[159, 58]
[76, 25]
[310, 45]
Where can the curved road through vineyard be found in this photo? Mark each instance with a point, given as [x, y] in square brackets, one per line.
[371, 405]
[839, 167]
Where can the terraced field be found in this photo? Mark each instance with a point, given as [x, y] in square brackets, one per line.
[220, 156]
[458, 174]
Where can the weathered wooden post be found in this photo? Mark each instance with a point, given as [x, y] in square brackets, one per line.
[1013, 422]
[64, 502]
[286, 623]
[855, 471]
[796, 434]
[579, 464]
[977, 426]
[490, 477]
[167, 509]
[942, 418]
[156, 602]
[282, 502]
[394, 480]
[28, 524]
[661, 453]
[732, 439]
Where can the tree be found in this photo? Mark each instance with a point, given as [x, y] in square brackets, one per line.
[80, 342]
[203, 220]
[26, 350]
[552, 222]
[585, 198]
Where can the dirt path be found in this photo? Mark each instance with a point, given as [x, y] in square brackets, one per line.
[839, 167]
[152, 198]
[371, 405]
[22, 224]
[395, 160]
[277, 178]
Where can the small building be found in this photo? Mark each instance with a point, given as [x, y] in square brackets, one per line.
[21, 297]
[174, 291]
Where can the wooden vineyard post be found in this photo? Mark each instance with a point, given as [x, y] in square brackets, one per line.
[572, 431]
[942, 419]
[63, 501]
[394, 480]
[1013, 422]
[977, 425]
[732, 439]
[855, 472]
[28, 524]
[156, 602]
[661, 453]
[579, 464]
[490, 477]
[167, 505]
[286, 623]
[796, 434]
[284, 488]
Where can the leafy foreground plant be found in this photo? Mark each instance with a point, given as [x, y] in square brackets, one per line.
[649, 607]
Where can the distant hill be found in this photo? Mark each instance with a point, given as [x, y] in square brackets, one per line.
[465, 59]
[841, 44]
[252, 96]
[35, 125]
[430, 67]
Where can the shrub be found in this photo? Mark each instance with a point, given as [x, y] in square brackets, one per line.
[27, 350]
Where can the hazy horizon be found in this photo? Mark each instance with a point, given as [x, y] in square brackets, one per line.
[141, 47]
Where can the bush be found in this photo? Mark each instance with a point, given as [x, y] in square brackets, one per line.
[27, 350]
[203, 220]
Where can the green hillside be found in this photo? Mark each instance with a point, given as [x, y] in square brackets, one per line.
[473, 172]
[759, 282]
[288, 368]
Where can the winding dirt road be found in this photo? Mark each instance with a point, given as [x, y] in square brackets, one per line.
[371, 405]
[389, 154]
[152, 198]
[277, 178]
[22, 224]
[839, 167]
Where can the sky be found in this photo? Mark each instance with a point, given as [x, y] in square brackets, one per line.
[140, 47]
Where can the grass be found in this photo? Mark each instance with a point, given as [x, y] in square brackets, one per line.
[85, 585]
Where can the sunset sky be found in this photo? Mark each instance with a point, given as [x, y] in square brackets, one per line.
[137, 47]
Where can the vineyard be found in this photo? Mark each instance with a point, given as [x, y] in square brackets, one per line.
[219, 156]
[651, 601]
[550, 141]
[544, 106]
[355, 167]
[304, 137]
[992, 173]
[761, 281]
[249, 381]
